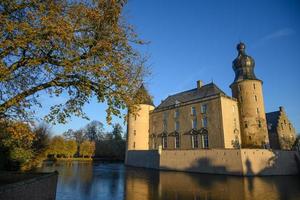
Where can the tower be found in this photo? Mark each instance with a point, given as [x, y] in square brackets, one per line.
[247, 89]
[138, 124]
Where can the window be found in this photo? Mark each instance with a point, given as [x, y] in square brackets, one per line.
[290, 127]
[257, 110]
[194, 124]
[193, 111]
[177, 142]
[134, 117]
[176, 113]
[204, 122]
[203, 108]
[259, 123]
[246, 125]
[254, 86]
[284, 122]
[194, 141]
[165, 125]
[205, 141]
[164, 142]
[134, 132]
[177, 126]
[255, 97]
[134, 145]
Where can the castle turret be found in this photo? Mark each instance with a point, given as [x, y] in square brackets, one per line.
[247, 89]
[138, 124]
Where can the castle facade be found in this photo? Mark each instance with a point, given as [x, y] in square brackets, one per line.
[206, 118]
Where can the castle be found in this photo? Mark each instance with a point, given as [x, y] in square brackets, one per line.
[206, 118]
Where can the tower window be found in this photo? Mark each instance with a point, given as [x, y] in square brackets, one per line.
[257, 110]
[134, 145]
[246, 125]
[250, 138]
[255, 98]
[254, 86]
[259, 123]
[134, 132]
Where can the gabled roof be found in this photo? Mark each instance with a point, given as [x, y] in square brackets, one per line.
[205, 91]
[272, 119]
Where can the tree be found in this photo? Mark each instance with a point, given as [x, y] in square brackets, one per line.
[16, 139]
[78, 135]
[71, 148]
[57, 146]
[117, 131]
[87, 149]
[79, 49]
[94, 131]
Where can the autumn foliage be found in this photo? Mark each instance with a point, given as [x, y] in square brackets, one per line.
[78, 49]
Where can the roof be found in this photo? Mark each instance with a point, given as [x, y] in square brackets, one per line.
[272, 118]
[205, 91]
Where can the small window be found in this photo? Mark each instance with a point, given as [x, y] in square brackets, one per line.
[259, 123]
[195, 141]
[284, 122]
[255, 98]
[177, 126]
[194, 123]
[164, 142]
[250, 138]
[257, 110]
[254, 86]
[246, 125]
[203, 108]
[193, 111]
[134, 132]
[177, 142]
[134, 145]
[204, 122]
[134, 117]
[176, 113]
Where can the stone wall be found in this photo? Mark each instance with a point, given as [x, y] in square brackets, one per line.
[246, 162]
[27, 186]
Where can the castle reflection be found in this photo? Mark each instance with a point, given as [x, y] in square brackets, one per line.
[87, 180]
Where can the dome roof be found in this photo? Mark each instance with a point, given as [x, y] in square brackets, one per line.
[243, 65]
[243, 60]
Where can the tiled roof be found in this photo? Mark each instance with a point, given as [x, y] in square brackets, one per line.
[205, 91]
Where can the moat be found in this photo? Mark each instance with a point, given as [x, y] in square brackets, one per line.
[101, 180]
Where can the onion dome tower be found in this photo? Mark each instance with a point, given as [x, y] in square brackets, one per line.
[138, 124]
[247, 89]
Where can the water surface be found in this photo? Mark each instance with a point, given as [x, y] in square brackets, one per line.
[99, 180]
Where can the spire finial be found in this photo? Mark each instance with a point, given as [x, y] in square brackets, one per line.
[241, 47]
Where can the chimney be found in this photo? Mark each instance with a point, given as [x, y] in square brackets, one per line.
[199, 84]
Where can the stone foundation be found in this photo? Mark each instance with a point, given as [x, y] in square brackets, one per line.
[243, 162]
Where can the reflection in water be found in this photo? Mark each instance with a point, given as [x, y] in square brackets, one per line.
[86, 180]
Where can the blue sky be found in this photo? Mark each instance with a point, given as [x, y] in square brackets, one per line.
[196, 40]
